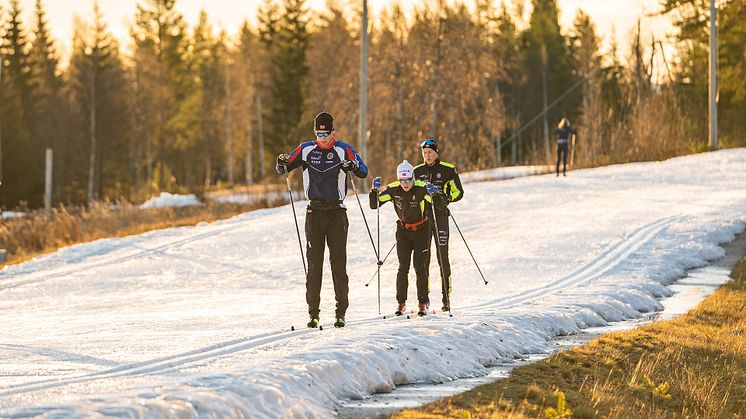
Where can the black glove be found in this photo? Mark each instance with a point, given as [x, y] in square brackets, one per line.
[282, 163]
[350, 166]
[443, 197]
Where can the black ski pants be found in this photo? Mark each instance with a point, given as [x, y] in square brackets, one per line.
[562, 154]
[441, 252]
[328, 226]
[410, 242]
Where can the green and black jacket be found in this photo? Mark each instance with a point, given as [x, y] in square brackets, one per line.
[409, 205]
[445, 177]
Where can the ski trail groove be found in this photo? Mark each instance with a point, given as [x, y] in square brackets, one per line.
[607, 260]
[66, 271]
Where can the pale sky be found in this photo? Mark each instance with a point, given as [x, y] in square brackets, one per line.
[229, 14]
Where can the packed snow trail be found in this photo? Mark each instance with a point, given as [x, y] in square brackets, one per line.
[196, 320]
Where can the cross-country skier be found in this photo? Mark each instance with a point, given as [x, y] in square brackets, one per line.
[326, 163]
[409, 197]
[448, 186]
[563, 133]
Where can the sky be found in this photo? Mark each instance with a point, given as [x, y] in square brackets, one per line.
[229, 14]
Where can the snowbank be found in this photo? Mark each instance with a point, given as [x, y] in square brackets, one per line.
[166, 199]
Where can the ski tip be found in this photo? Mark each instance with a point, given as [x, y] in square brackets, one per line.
[433, 311]
[321, 327]
[407, 316]
[384, 317]
[450, 315]
[292, 328]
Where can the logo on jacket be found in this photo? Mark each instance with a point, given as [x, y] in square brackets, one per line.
[330, 155]
[438, 175]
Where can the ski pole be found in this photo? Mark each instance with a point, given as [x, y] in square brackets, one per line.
[378, 263]
[354, 190]
[295, 217]
[444, 284]
[467, 246]
[381, 264]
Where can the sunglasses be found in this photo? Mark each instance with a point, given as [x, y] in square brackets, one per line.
[323, 134]
[427, 143]
[405, 180]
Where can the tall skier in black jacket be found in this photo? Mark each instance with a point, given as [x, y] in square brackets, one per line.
[326, 163]
[412, 231]
[448, 185]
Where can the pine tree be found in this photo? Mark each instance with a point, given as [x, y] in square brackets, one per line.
[249, 60]
[289, 78]
[102, 102]
[549, 69]
[23, 164]
[586, 46]
[161, 46]
[50, 110]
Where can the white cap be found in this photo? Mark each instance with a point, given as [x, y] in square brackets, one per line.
[405, 170]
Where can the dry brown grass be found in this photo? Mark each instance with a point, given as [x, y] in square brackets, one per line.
[35, 234]
[693, 366]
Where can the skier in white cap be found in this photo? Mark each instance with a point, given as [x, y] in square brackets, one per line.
[412, 231]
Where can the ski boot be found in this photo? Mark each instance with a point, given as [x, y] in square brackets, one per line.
[422, 310]
[313, 323]
[339, 322]
[445, 308]
[401, 309]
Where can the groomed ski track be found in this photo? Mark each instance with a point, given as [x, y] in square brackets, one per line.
[650, 222]
[604, 262]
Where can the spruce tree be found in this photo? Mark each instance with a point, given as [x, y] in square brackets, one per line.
[50, 110]
[160, 49]
[289, 78]
[23, 165]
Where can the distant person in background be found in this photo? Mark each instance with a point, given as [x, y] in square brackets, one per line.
[563, 133]
[448, 186]
[409, 197]
[326, 163]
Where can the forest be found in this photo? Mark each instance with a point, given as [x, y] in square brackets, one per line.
[183, 108]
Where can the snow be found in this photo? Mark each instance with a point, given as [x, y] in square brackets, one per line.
[504, 173]
[11, 214]
[166, 199]
[195, 321]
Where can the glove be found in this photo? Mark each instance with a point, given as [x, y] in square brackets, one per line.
[445, 199]
[376, 183]
[431, 189]
[350, 166]
[283, 159]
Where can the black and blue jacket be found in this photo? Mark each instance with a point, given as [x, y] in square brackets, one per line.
[324, 181]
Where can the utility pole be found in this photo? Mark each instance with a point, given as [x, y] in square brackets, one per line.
[92, 121]
[1, 127]
[260, 123]
[544, 61]
[363, 82]
[713, 87]
[229, 121]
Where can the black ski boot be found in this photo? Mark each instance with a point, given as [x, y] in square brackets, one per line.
[313, 323]
[401, 309]
[339, 322]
